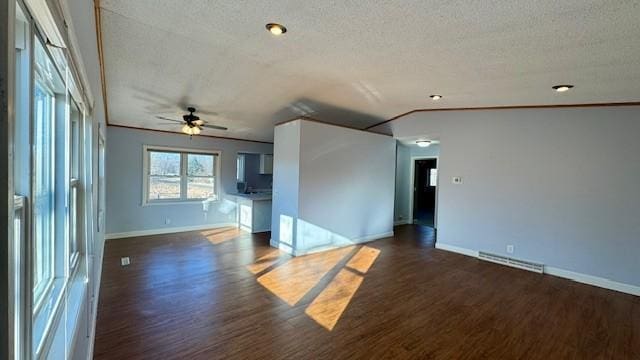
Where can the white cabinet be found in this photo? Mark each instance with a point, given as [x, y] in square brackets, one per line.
[266, 164]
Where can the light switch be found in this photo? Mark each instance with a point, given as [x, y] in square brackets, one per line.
[456, 180]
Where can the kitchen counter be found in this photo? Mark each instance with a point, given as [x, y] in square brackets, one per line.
[254, 212]
[256, 196]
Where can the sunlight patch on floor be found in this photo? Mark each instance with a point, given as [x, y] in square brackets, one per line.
[264, 262]
[220, 236]
[363, 259]
[327, 307]
[293, 279]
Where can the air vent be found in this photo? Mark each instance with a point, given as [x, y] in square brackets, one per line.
[520, 264]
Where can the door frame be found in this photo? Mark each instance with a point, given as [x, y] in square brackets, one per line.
[412, 187]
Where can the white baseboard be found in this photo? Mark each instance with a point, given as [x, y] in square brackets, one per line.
[593, 280]
[94, 318]
[172, 230]
[554, 271]
[289, 250]
[284, 247]
[456, 249]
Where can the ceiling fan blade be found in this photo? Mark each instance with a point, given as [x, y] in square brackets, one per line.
[167, 119]
[215, 127]
[206, 112]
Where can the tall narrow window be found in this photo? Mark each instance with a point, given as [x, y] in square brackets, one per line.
[240, 161]
[74, 224]
[50, 176]
[43, 190]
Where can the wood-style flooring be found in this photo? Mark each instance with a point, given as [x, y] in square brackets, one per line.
[225, 294]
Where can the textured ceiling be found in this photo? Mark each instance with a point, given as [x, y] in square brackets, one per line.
[359, 62]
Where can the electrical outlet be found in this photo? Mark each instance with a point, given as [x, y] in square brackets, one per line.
[124, 261]
[456, 180]
[167, 221]
[510, 249]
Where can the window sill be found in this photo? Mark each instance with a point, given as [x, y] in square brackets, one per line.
[46, 316]
[180, 202]
[64, 334]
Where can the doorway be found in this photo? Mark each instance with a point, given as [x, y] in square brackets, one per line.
[424, 197]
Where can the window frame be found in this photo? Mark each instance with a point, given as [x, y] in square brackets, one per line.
[75, 196]
[241, 162]
[42, 291]
[184, 152]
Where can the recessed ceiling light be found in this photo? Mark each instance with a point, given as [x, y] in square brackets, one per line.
[423, 143]
[435, 97]
[276, 29]
[562, 88]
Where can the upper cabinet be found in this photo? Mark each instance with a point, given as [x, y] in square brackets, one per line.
[266, 163]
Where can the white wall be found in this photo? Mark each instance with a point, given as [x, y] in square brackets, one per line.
[559, 184]
[345, 185]
[125, 213]
[286, 176]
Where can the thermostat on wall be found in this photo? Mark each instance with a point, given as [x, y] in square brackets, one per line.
[456, 180]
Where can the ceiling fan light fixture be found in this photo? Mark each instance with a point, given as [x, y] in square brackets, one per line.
[187, 130]
[423, 143]
[195, 130]
[276, 29]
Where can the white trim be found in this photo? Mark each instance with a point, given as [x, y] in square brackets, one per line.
[456, 249]
[282, 246]
[355, 241]
[593, 280]
[94, 304]
[184, 152]
[171, 230]
[554, 271]
[286, 248]
[412, 190]
[401, 222]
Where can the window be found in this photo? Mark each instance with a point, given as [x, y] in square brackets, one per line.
[43, 189]
[49, 158]
[179, 175]
[74, 200]
[50, 194]
[240, 168]
[200, 181]
[433, 177]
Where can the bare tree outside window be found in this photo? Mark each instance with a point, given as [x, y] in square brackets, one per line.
[164, 175]
[174, 175]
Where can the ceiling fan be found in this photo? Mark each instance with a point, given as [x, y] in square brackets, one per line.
[192, 123]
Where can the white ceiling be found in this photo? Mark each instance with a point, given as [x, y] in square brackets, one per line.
[360, 62]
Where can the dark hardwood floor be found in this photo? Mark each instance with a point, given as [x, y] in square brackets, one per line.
[225, 294]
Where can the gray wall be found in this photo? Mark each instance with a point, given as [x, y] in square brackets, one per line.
[124, 181]
[559, 184]
[345, 180]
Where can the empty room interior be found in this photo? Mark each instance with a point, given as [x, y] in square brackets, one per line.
[320, 179]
